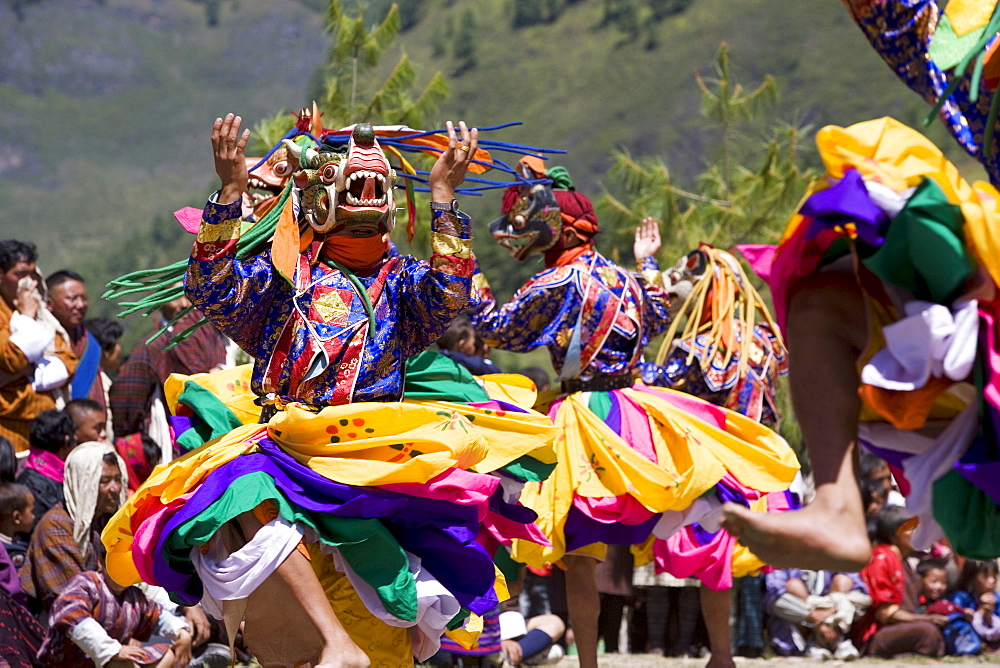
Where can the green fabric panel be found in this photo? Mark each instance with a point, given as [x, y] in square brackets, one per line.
[947, 49]
[561, 180]
[969, 517]
[458, 620]
[431, 375]
[218, 419]
[511, 569]
[924, 249]
[529, 469]
[357, 539]
[600, 404]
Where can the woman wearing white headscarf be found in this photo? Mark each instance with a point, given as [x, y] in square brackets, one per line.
[61, 546]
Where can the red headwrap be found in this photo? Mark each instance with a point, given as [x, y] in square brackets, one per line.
[577, 213]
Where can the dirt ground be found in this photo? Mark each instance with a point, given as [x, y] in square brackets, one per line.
[649, 661]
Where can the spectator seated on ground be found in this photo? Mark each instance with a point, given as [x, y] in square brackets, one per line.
[812, 612]
[459, 343]
[64, 540]
[97, 619]
[892, 626]
[977, 596]
[52, 439]
[20, 633]
[959, 636]
[17, 519]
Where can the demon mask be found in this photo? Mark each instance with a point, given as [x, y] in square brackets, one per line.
[346, 194]
[532, 226]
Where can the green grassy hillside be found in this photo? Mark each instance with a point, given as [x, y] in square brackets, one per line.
[105, 106]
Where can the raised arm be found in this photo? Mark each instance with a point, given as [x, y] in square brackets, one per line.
[235, 295]
[442, 289]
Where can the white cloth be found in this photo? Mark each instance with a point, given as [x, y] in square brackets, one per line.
[705, 510]
[30, 336]
[436, 606]
[930, 341]
[512, 625]
[933, 455]
[83, 470]
[95, 642]
[230, 576]
[50, 373]
[159, 427]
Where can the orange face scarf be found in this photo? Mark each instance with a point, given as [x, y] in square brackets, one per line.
[558, 257]
[355, 253]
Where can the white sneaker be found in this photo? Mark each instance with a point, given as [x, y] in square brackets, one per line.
[819, 653]
[846, 651]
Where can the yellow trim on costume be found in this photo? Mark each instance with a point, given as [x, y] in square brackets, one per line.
[227, 230]
[449, 244]
[653, 277]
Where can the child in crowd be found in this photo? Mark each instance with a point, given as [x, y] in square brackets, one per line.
[959, 636]
[461, 344]
[8, 461]
[977, 595]
[96, 620]
[17, 517]
[893, 625]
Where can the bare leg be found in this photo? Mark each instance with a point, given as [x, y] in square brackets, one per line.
[584, 605]
[826, 333]
[296, 576]
[715, 608]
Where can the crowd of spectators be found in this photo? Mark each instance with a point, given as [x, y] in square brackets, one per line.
[81, 426]
[70, 408]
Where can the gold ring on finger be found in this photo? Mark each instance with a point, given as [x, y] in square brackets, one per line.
[463, 147]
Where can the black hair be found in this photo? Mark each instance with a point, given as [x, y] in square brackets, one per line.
[60, 277]
[924, 566]
[869, 462]
[111, 458]
[8, 461]
[152, 450]
[460, 329]
[869, 488]
[887, 523]
[13, 496]
[538, 375]
[50, 429]
[974, 567]
[107, 331]
[76, 407]
[13, 251]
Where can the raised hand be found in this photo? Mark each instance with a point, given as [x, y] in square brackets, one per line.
[449, 170]
[26, 301]
[229, 148]
[647, 239]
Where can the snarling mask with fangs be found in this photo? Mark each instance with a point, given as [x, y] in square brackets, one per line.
[532, 226]
[268, 180]
[347, 194]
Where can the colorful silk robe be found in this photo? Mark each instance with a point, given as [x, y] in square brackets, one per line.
[720, 383]
[904, 33]
[621, 312]
[315, 341]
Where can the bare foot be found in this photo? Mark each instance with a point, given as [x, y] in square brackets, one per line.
[721, 662]
[348, 655]
[819, 537]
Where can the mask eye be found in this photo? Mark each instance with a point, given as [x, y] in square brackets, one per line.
[328, 174]
[282, 168]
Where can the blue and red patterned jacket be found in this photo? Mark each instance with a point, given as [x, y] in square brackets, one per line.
[616, 312]
[315, 341]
